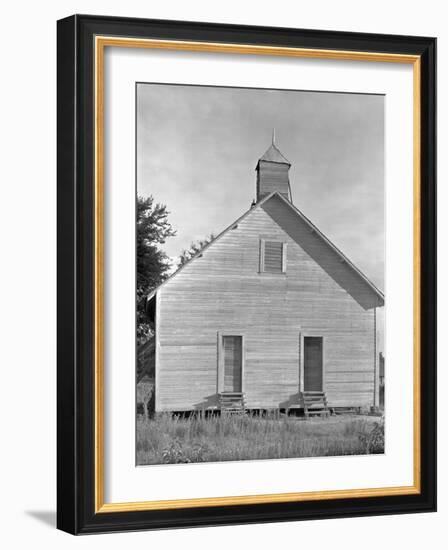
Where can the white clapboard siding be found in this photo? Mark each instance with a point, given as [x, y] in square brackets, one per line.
[224, 291]
[271, 177]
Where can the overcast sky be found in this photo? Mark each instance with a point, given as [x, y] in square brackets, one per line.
[197, 148]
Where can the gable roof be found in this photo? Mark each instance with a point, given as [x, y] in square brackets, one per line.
[304, 219]
[273, 155]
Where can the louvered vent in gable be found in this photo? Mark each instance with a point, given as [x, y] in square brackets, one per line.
[272, 256]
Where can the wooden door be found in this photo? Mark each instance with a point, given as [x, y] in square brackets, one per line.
[313, 363]
[233, 361]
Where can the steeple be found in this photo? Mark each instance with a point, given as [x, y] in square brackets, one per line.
[273, 172]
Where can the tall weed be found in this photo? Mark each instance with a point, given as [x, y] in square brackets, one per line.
[167, 439]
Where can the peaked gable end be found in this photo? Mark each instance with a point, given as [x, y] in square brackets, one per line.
[312, 241]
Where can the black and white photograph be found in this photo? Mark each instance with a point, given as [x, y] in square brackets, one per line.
[220, 275]
[260, 274]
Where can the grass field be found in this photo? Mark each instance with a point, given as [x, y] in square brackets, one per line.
[169, 440]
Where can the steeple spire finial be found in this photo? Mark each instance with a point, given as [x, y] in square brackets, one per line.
[273, 136]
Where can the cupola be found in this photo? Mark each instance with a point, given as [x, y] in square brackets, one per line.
[273, 173]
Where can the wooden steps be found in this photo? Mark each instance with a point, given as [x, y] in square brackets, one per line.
[315, 404]
[232, 402]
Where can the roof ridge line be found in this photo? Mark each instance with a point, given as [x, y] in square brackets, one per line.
[332, 245]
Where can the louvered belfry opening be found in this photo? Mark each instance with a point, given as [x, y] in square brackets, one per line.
[273, 257]
[273, 173]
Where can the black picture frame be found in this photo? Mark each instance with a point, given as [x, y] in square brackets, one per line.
[76, 268]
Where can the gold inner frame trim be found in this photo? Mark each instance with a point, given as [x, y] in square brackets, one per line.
[101, 42]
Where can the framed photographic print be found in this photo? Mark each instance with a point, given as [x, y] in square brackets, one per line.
[246, 274]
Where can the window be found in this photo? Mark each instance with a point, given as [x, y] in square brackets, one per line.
[272, 256]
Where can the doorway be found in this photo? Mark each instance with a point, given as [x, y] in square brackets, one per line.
[313, 363]
[232, 347]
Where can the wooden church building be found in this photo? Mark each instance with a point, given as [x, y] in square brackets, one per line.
[269, 315]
